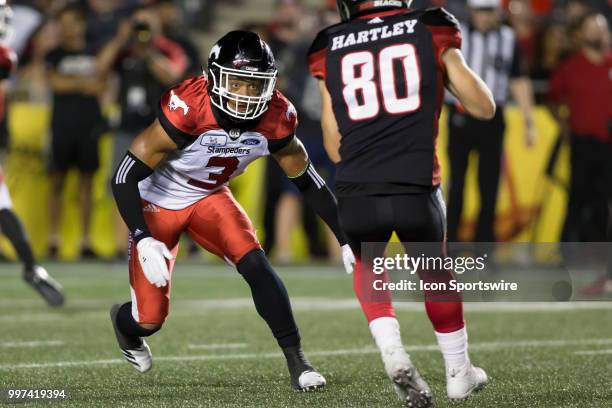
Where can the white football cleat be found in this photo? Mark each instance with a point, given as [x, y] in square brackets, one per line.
[140, 358]
[135, 350]
[310, 381]
[411, 389]
[303, 375]
[461, 383]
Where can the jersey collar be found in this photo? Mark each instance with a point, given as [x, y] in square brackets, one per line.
[229, 125]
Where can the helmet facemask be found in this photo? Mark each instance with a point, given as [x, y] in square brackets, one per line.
[238, 106]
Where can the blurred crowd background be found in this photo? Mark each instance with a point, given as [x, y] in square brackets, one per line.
[91, 72]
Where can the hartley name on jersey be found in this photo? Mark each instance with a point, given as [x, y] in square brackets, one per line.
[373, 34]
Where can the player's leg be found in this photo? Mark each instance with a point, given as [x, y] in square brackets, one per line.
[145, 314]
[35, 275]
[368, 219]
[222, 227]
[421, 218]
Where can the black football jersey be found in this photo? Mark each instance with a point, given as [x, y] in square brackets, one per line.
[386, 80]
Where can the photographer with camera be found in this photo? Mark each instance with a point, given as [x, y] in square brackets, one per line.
[146, 63]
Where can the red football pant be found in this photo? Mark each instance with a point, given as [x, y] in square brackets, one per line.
[217, 223]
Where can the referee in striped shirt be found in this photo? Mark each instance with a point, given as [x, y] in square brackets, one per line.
[491, 50]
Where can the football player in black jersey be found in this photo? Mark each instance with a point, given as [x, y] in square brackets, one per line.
[382, 73]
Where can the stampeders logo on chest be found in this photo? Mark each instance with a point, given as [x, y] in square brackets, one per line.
[237, 151]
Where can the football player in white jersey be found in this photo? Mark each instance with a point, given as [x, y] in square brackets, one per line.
[174, 179]
[10, 226]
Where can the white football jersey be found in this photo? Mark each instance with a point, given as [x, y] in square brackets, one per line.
[210, 156]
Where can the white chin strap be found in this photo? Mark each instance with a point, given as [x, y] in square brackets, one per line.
[244, 107]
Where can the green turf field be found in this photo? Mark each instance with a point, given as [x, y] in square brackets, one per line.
[215, 351]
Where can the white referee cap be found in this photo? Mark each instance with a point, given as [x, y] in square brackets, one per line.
[484, 3]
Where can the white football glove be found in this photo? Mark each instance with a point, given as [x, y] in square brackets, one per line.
[348, 258]
[152, 255]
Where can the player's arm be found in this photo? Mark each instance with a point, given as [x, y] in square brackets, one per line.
[294, 161]
[471, 91]
[329, 125]
[146, 152]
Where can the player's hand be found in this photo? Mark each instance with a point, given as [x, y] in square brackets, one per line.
[348, 258]
[152, 255]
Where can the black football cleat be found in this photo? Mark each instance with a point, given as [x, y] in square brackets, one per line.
[303, 376]
[49, 288]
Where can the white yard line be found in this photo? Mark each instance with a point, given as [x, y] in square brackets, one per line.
[216, 346]
[302, 303]
[30, 344]
[593, 352]
[320, 353]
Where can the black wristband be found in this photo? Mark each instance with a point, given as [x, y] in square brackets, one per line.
[318, 196]
[127, 196]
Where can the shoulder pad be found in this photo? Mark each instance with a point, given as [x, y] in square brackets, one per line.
[280, 120]
[321, 41]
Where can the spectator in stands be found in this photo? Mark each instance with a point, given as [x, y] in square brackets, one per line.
[146, 63]
[552, 48]
[290, 34]
[574, 11]
[171, 17]
[522, 19]
[103, 16]
[582, 83]
[492, 51]
[28, 16]
[76, 120]
[303, 90]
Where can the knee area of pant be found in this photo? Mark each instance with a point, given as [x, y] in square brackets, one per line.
[254, 264]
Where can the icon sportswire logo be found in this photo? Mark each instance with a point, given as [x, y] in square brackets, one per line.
[176, 102]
